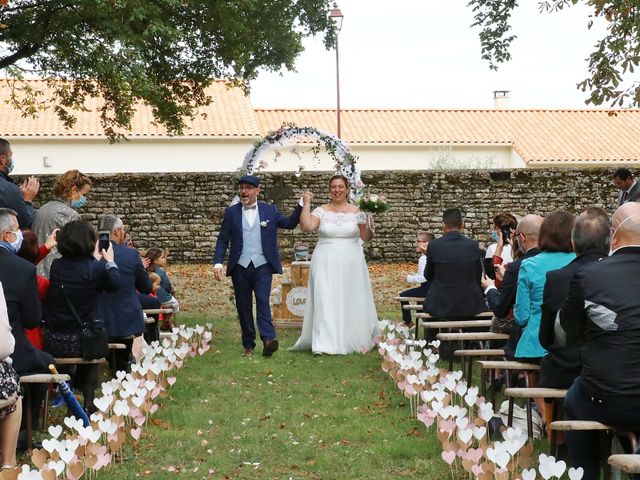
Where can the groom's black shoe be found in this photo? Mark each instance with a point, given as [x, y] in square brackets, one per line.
[270, 347]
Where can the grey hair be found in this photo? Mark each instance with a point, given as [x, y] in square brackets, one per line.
[110, 222]
[6, 222]
[591, 230]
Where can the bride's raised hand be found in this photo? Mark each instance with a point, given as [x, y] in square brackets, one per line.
[307, 197]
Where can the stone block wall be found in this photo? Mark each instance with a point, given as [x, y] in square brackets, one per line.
[183, 211]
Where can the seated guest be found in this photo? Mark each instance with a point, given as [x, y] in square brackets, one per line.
[69, 191]
[420, 290]
[34, 253]
[502, 222]
[454, 270]
[556, 251]
[602, 316]
[77, 279]
[9, 387]
[157, 263]
[590, 239]
[121, 309]
[18, 278]
[148, 302]
[501, 301]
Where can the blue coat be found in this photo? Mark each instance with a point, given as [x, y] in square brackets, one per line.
[121, 310]
[231, 232]
[529, 295]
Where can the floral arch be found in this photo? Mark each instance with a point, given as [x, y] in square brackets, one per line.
[287, 135]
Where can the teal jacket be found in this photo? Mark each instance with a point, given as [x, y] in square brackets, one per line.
[528, 307]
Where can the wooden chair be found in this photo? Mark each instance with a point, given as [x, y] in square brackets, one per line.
[38, 378]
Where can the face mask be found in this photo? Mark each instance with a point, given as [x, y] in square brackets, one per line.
[79, 203]
[10, 166]
[494, 235]
[519, 245]
[15, 245]
[613, 235]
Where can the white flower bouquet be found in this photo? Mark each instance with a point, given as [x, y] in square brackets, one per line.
[373, 203]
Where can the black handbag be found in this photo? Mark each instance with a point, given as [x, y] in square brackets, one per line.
[94, 340]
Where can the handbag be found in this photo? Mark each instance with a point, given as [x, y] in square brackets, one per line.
[94, 341]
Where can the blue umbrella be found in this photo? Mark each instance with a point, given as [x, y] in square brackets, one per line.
[70, 399]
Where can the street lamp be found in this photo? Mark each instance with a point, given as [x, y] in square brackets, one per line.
[336, 15]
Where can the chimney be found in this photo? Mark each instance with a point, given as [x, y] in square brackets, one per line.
[501, 99]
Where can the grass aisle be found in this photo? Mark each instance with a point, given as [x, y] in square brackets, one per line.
[291, 416]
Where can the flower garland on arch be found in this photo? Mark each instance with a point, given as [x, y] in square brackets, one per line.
[345, 161]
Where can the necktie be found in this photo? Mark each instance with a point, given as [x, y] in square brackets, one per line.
[624, 197]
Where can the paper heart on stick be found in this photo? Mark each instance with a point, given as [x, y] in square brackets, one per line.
[529, 474]
[75, 471]
[39, 457]
[448, 456]
[465, 435]
[575, 473]
[55, 430]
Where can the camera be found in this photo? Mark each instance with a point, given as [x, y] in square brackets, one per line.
[506, 233]
[103, 240]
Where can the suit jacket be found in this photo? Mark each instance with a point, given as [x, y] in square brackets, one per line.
[231, 232]
[18, 278]
[602, 314]
[121, 310]
[11, 197]
[501, 301]
[453, 271]
[562, 364]
[632, 196]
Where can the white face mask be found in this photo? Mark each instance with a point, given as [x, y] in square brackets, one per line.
[613, 235]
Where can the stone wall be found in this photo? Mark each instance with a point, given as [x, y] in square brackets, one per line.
[183, 211]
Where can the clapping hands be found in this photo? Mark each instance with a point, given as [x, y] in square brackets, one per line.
[30, 188]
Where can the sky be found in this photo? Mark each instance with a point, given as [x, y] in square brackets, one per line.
[424, 54]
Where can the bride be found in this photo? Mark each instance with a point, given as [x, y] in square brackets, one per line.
[340, 315]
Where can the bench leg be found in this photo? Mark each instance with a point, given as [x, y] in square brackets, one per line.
[529, 420]
[510, 414]
[553, 437]
[27, 405]
[606, 438]
[483, 383]
[469, 369]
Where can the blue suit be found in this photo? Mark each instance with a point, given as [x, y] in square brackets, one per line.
[121, 310]
[251, 280]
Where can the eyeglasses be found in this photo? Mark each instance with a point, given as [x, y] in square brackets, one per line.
[246, 187]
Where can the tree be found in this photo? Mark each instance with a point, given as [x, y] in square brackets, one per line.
[611, 63]
[160, 52]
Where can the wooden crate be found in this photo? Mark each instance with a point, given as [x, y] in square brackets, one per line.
[290, 311]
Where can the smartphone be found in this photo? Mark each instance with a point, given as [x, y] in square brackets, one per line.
[104, 240]
[506, 233]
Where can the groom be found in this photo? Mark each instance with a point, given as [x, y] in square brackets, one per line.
[252, 228]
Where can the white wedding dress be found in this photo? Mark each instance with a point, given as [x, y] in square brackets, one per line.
[340, 315]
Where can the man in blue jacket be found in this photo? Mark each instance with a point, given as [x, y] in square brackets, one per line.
[121, 310]
[251, 228]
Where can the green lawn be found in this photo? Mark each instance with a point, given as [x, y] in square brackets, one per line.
[290, 416]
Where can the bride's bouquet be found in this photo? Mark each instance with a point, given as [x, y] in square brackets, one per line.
[373, 203]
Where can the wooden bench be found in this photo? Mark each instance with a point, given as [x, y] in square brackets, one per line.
[38, 378]
[117, 346]
[427, 316]
[555, 394]
[457, 324]
[605, 433]
[468, 337]
[78, 361]
[409, 299]
[467, 356]
[629, 463]
[493, 366]
[157, 311]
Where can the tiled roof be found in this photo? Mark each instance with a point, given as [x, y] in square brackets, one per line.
[539, 136]
[229, 115]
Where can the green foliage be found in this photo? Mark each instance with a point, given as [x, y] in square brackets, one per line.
[161, 52]
[614, 56]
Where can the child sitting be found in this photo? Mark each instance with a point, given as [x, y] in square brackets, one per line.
[157, 262]
[422, 242]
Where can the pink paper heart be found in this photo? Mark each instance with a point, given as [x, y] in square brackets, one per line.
[477, 470]
[153, 409]
[448, 456]
[474, 454]
[135, 433]
[140, 420]
[102, 460]
[171, 380]
[447, 425]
